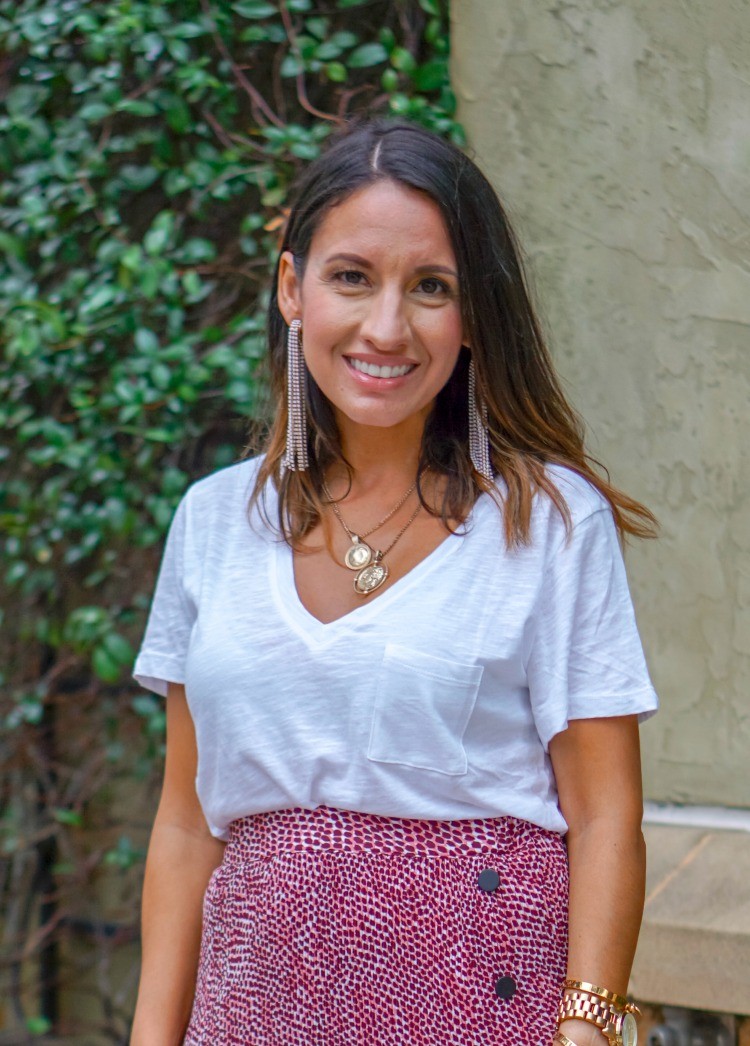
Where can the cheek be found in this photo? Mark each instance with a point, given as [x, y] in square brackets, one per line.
[324, 318]
[443, 330]
[326, 331]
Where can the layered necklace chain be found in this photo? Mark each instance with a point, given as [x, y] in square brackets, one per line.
[371, 571]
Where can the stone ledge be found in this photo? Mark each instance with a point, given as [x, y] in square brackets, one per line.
[694, 948]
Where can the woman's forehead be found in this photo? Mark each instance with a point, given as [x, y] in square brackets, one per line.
[385, 216]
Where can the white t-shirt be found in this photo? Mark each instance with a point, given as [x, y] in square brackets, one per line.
[436, 699]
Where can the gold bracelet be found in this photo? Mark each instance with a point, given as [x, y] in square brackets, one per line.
[618, 1001]
[563, 1039]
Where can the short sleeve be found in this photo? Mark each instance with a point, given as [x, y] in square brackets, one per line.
[586, 659]
[161, 659]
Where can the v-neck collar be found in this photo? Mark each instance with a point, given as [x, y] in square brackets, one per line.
[317, 632]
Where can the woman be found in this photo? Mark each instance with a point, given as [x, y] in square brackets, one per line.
[401, 657]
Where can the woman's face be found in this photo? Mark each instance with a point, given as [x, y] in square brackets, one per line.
[379, 304]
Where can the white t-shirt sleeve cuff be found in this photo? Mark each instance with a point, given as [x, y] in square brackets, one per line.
[643, 703]
[155, 671]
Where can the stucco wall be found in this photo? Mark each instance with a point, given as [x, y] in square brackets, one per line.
[619, 133]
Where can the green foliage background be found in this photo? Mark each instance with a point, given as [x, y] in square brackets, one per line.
[146, 153]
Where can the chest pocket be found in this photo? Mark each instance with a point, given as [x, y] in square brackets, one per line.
[422, 706]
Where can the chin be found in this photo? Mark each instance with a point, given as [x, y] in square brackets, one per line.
[379, 419]
[373, 421]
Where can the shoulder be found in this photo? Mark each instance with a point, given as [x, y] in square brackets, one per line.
[223, 486]
[550, 529]
[580, 495]
[214, 506]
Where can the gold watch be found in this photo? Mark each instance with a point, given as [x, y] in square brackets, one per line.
[612, 1014]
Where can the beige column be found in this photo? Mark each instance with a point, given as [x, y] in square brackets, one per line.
[619, 134]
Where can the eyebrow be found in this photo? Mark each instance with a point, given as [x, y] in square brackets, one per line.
[356, 259]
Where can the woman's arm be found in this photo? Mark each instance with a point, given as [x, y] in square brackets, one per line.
[181, 857]
[597, 767]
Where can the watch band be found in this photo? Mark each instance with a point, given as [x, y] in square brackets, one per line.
[577, 1005]
[611, 1013]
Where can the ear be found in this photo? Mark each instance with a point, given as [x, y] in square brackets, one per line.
[288, 289]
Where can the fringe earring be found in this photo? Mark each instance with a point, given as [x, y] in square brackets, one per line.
[295, 457]
[479, 440]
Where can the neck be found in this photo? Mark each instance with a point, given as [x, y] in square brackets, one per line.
[382, 456]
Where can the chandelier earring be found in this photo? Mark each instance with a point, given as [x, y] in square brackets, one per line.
[296, 458]
[479, 438]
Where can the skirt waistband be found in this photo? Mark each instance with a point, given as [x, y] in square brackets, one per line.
[327, 828]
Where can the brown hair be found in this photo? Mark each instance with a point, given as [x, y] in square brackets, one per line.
[531, 424]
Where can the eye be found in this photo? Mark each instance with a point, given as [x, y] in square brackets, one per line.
[432, 286]
[349, 277]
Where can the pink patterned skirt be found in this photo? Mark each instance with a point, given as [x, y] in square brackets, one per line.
[332, 928]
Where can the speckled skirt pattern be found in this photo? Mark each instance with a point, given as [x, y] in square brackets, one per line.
[333, 928]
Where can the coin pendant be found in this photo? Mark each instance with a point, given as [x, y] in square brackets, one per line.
[370, 578]
[359, 555]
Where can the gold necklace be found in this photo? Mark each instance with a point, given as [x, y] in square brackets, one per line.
[360, 554]
[368, 562]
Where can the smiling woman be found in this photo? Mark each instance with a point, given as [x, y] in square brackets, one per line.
[403, 674]
[381, 340]
[380, 309]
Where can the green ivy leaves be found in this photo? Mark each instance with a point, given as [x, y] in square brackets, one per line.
[147, 151]
[142, 181]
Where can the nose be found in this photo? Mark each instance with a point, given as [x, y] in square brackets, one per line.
[385, 327]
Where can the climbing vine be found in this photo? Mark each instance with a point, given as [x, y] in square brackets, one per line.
[146, 153]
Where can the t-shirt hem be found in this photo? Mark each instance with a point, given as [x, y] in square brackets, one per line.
[222, 834]
[549, 819]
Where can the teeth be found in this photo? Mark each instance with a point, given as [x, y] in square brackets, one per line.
[381, 372]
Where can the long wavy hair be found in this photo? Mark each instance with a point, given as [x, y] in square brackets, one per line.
[531, 424]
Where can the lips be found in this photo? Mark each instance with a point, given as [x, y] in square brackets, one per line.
[375, 370]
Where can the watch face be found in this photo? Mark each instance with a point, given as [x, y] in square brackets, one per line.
[629, 1030]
